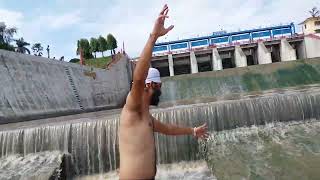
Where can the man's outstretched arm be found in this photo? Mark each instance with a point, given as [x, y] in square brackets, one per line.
[134, 99]
[173, 130]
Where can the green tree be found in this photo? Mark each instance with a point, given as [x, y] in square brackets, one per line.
[314, 12]
[84, 45]
[37, 49]
[112, 42]
[21, 46]
[6, 35]
[103, 45]
[94, 46]
[7, 47]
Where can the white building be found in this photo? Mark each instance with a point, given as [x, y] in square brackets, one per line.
[311, 25]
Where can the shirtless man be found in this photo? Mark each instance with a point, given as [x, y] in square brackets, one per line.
[137, 126]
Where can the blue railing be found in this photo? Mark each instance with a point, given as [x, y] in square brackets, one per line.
[226, 38]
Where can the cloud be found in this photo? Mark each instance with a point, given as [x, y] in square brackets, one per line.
[196, 18]
[131, 21]
[60, 21]
[48, 28]
[11, 18]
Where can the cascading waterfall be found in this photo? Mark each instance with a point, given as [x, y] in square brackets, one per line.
[286, 106]
[93, 144]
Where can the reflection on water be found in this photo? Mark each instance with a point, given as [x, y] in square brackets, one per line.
[289, 151]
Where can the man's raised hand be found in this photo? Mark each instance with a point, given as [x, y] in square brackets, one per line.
[159, 29]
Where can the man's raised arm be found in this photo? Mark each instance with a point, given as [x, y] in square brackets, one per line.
[134, 99]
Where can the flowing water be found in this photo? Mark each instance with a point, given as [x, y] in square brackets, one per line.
[275, 151]
[186, 170]
[92, 142]
[38, 166]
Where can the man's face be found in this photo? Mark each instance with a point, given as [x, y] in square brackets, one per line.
[156, 93]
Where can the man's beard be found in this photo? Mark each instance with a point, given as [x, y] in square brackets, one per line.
[155, 97]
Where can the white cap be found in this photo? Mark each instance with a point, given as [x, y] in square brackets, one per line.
[153, 76]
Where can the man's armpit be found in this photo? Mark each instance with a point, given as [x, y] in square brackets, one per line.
[132, 104]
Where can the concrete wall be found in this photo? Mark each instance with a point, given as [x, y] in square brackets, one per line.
[170, 61]
[312, 46]
[193, 63]
[264, 56]
[208, 86]
[216, 60]
[240, 57]
[287, 52]
[35, 87]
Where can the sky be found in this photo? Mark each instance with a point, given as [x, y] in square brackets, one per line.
[60, 23]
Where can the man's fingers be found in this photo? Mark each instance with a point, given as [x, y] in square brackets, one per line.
[165, 7]
[204, 125]
[205, 136]
[169, 28]
[166, 11]
[163, 17]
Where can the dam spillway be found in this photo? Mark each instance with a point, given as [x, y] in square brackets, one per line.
[92, 141]
[86, 144]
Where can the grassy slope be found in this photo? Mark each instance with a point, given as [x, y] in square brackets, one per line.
[98, 62]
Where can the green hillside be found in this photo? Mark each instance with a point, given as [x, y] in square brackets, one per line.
[98, 62]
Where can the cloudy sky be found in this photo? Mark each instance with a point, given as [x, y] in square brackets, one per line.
[60, 23]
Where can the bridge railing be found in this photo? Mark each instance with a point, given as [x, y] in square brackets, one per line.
[228, 45]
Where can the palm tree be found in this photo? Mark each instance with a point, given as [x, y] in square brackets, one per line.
[314, 12]
[21, 46]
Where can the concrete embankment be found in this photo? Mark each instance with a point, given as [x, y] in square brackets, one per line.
[219, 84]
[35, 87]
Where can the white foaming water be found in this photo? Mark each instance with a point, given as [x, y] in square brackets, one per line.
[274, 151]
[194, 170]
[38, 166]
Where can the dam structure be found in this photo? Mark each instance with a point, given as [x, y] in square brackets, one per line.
[236, 49]
[257, 90]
